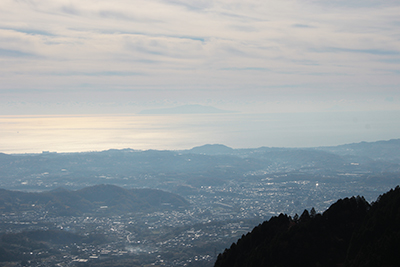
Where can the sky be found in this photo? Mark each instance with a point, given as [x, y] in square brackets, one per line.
[333, 67]
[97, 56]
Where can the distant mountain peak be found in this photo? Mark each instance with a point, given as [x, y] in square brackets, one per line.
[212, 149]
[185, 109]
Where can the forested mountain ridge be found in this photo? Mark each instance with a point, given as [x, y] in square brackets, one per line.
[350, 233]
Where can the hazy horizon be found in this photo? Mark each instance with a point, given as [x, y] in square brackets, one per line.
[82, 133]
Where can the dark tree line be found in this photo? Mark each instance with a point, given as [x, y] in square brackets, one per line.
[350, 233]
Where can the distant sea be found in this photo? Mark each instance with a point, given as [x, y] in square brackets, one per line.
[80, 133]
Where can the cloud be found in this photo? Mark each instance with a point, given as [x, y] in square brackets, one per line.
[246, 68]
[14, 53]
[32, 31]
[102, 73]
[301, 26]
[356, 4]
[70, 9]
[193, 47]
[363, 51]
[195, 5]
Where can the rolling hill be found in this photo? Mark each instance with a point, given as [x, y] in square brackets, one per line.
[101, 199]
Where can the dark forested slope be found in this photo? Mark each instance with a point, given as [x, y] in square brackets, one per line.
[377, 241]
[351, 233]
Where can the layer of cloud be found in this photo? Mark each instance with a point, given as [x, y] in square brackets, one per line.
[200, 49]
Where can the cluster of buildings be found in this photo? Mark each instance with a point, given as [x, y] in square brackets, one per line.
[217, 216]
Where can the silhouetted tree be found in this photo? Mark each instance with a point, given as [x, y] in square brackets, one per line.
[313, 212]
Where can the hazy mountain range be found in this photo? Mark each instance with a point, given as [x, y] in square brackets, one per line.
[205, 165]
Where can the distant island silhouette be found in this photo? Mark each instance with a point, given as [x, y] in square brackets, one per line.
[185, 109]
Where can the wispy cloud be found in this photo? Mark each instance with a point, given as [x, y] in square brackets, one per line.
[15, 53]
[230, 46]
[363, 51]
[301, 26]
[101, 73]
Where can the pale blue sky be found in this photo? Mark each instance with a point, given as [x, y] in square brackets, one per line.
[96, 56]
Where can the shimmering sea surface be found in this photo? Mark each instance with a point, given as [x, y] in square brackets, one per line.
[77, 133]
